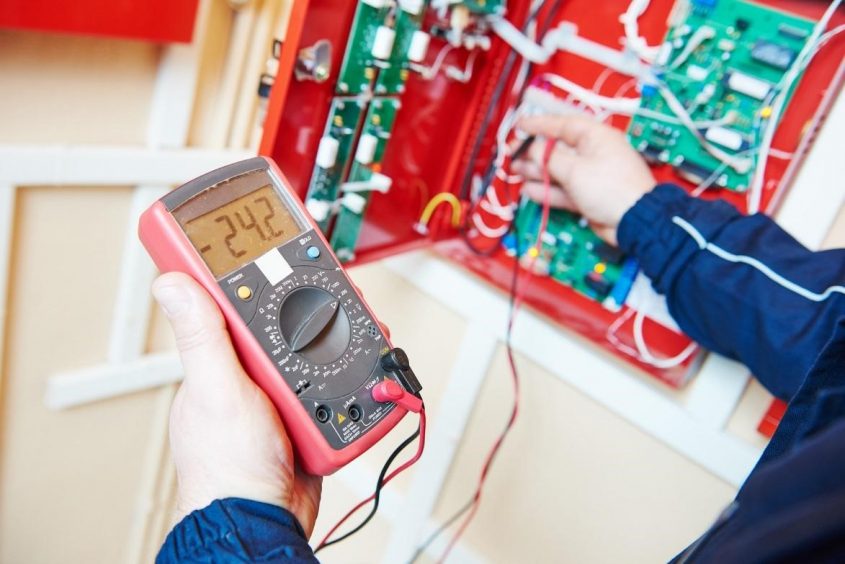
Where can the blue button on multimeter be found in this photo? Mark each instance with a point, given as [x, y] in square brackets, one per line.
[313, 253]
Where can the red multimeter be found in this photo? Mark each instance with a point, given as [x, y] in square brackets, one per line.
[302, 331]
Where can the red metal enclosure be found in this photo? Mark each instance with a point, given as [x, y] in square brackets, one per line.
[429, 151]
[148, 20]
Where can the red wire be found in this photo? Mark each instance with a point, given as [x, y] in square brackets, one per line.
[544, 221]
[420, 448]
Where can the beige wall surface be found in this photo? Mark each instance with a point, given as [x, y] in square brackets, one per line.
[68, 478]
[63, 89]
[573, 483]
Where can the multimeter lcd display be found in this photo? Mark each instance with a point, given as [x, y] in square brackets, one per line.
[242, 230]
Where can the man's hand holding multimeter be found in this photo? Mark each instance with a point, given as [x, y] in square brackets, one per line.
[299, 329]
[226, 437]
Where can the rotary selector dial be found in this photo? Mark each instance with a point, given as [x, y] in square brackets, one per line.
[314, 325]
[319, 334]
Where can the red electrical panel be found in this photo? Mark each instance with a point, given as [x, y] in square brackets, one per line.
[430, 148]
[148, 20]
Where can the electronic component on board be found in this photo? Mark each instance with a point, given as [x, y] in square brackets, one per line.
[327, 152]
[608, 253]
[366, 151]
[653, 154]
[791, 32]
[419, 46]
[725, 137]
[383, 42]
[597, 284]
[696, 73]
[748, 85]
[773, 54]
[693, 172]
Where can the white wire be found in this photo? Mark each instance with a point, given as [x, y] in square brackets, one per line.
[512, 114]
[505, 214]
[700, 35]
[726, 119]
[463, 75]
[601, 79]
[642, 352]
[489, 232]
[646, 354]
[710, 180]
[705, 245]
[525, 46]
[490, 202]
[622, 106]
[428, 73]
[829, 35]
[778, 154]
[632, 30]
[509, 178]
[556, 38]
[614, 328]
[811, 47]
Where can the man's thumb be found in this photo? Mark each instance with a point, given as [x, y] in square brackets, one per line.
[198, 326]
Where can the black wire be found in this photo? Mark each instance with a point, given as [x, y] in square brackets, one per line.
[488, 176]
[448, 523]
[515, 274]
[379, 486]
[509, 349]
[494, 101]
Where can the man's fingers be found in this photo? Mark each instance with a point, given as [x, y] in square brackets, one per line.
[199, 328]
[528, 169]
[561, 160]
[569, 129]
[558, 198]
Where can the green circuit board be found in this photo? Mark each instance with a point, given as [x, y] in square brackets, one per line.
[394, 72]
[572, 254]
[344, 116]
[751, 49]
[358, 70]
[485, 6]
[379, 123]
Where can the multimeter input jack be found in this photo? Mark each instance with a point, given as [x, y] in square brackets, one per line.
[355, 412]
[323, 413]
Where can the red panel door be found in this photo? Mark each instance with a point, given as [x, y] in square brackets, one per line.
[149, 20]
[430, 150]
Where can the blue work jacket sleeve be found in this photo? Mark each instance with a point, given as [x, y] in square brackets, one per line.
[739, 285]
[237, 530]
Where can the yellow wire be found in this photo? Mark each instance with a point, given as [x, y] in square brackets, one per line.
[436, 201]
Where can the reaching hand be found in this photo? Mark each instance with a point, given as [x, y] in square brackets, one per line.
[596, 172]
[226, 437]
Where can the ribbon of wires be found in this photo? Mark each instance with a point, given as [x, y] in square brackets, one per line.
[489, 114]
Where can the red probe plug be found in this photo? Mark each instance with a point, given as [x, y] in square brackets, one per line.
[390, 391]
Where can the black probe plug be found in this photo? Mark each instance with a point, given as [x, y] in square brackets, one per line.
[519, 151]
[396, 362]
